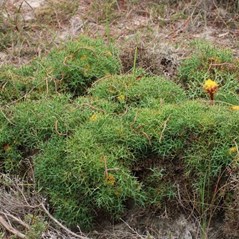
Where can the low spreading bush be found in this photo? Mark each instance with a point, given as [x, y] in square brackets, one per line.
[111, 158]
[210, 62]
[77, 64]
[134, 90]
[131, 138]
[15, 85]
[68, 69]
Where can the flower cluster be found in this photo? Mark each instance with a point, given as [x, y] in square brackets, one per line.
[210, 86]
[93, 117]
[233, 150]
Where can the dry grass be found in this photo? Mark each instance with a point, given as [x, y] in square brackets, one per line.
[23, 38]
[26, 32]
[56, 13]
[23, 213]
[153, 56]
[231, 226]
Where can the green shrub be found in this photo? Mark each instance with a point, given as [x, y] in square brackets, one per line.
[26, 125]
[77, 64]
[210, 62]
[14, 86]
[190, 142]
[70, 68]
[136, 90]
[79, 186]
[31, 123]
[37, 121]
[9, 155]
[148, 143]
[132, 137]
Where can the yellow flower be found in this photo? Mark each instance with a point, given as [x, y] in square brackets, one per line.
[233, 150]
[110, 179]
[121, 98]
[214, 60]
[235, 107]
[210, 86]
[93, 117]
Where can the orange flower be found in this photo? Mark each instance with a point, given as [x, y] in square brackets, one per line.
[210, 86]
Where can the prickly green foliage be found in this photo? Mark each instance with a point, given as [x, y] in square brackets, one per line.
[93, 104]
[52, 161]
[194, 136]
[90, 158]
[210, 62]
[9, 155]
[156, 187]
[79, 185]
[131, 138]
[37, 226]
[138, 91]
[29, 124]
[69, 69]
[190, 134]
[37, 121]
[14, 85]
[77, 64]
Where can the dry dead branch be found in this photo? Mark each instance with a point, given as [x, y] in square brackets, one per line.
[11, 229]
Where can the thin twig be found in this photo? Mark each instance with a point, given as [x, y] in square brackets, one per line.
[18, 220]
[56, 129]
[92, 107]
[60, 225]
[11, 229]
[164, 127]
[9, 121]
[28, 4]
[132, 229]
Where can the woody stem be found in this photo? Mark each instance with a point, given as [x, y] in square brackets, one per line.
[211, 95]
